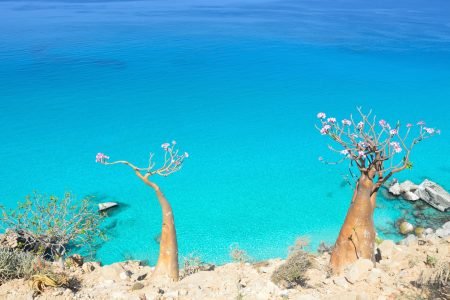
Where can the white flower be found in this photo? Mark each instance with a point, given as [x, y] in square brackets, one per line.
[321, 115]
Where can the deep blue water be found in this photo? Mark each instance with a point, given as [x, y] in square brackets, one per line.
[238, 85]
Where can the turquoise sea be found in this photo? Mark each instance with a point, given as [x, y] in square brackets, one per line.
[238, 84]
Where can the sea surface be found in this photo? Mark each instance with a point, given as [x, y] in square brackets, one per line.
[238, 85]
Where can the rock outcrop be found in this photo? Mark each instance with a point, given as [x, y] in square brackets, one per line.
[434, 194]
[428, 191]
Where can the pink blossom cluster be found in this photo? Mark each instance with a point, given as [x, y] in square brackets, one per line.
[101, 158]
[396, 147]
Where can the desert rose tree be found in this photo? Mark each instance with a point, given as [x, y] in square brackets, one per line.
[167, 265]
[377, 150]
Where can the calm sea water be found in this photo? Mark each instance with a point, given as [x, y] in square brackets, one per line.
[238, 85]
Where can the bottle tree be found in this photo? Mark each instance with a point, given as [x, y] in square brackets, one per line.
[376, 150]
[167, 265]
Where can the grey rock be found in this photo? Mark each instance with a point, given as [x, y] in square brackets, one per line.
[446, 225]
[408, 186]
[410, 196]
[434, 194]
[411, 239]
[395, 189]
[441, 232]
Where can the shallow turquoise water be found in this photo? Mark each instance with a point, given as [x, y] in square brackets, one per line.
[238, 85]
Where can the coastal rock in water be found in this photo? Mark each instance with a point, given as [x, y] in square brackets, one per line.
[395, 189]
[434, 194]
[408, 186]
[410, 196]
[106, 205]
[406, 227]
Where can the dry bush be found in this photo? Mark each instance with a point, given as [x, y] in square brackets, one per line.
[436, 279]
[238, 255]
[191, 265]
[16, 264]
[293, 271]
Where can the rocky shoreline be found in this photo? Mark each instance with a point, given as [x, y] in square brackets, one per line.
[397, 274]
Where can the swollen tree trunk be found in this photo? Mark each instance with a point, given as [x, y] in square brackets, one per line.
[357, 236]
[167, 265]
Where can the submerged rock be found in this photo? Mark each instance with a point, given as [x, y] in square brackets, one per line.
[434, 194]
[106, 205]
[406, 227]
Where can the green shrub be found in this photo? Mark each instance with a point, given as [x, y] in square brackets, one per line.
[50, 226]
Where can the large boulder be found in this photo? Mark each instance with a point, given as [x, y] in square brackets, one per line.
[434, 194]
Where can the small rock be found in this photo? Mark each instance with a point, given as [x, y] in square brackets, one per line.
[125, 275]
[419, 231]
[409, 240]
[106, 205]
[446, 225]
[341, 281]
[359, 270]
[429, 231]
[386, 248]
[443, 232]
[405, 228]
[374, 276]
[88, 267]
[137, 286]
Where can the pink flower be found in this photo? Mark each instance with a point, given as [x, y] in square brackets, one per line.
[331, 120]
[409, 125]
[421, 123]
[393, 132]
[165, 146]
[361, 154]
[396, 147]
[382, 123]
[101, 158]
[429, 130]
[346, 122]
[325, 129]
[321, 115]
[360, 125]
[345, 152]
